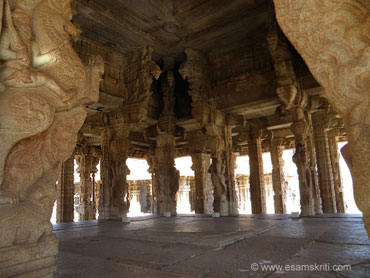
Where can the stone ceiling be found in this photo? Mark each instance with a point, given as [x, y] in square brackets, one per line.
[170, 26]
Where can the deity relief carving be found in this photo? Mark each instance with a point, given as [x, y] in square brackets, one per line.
[43, 89]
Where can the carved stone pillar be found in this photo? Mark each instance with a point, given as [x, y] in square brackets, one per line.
[166, 175]
[113, 200]
[201, 163]
[326, 182]
[230, 164]
[276, 150]
[341, 78]
[300, 129]
[335, 157]
[257, 183]
[86, 163]
[312, 165]
[44, 90]
[66, 191]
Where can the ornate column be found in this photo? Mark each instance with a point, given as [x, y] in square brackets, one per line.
[313, 28]
[113, 200]
[256, 179]
[301, 158]
[312, 165]
[166, 175]
[334, 158]
[326, 183]
[66, 191]
[276, 150]
[86, 160]
[201, 163]
[294, 101]
[45, 88]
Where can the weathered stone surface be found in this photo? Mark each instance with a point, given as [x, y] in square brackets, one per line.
[44, 90]
[332, 38]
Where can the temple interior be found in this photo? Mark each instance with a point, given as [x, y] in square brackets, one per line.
[185, 138]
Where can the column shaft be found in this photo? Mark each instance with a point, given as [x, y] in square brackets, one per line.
[66, 191]
[257, 183]
[276, 150]
[201, 163]
[335, 157]
[326, 181]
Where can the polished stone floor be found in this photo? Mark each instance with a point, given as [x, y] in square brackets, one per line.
[200, 246]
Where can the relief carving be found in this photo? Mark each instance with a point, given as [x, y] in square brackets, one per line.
[43, 89]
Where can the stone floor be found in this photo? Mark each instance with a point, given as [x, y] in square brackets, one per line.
[199, 246]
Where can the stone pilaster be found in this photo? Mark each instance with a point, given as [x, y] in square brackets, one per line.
[257, 183]
[66, 191]
[86, 162]
[334, 158]
[113, 199]
[326, 182]
[201, 163]
[276, 151]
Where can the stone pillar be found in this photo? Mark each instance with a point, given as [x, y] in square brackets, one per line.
[300, 129]
[312, 158]
[299, 22]
[257, 183]
[335, 157]
[230, 164]
[326, 182]
[86, 163]
[243, 188]
[42, 108]
[113, 199]
[276, 150]
[201, 163]
[166, 175]
[66, 191]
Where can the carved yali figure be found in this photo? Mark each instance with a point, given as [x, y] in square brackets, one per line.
[43, 90]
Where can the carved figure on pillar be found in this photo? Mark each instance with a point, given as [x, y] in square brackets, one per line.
[166, 177]
[113, 201]
[44, 88]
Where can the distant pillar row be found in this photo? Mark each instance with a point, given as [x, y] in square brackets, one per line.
[257, 183]
[66, 190]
